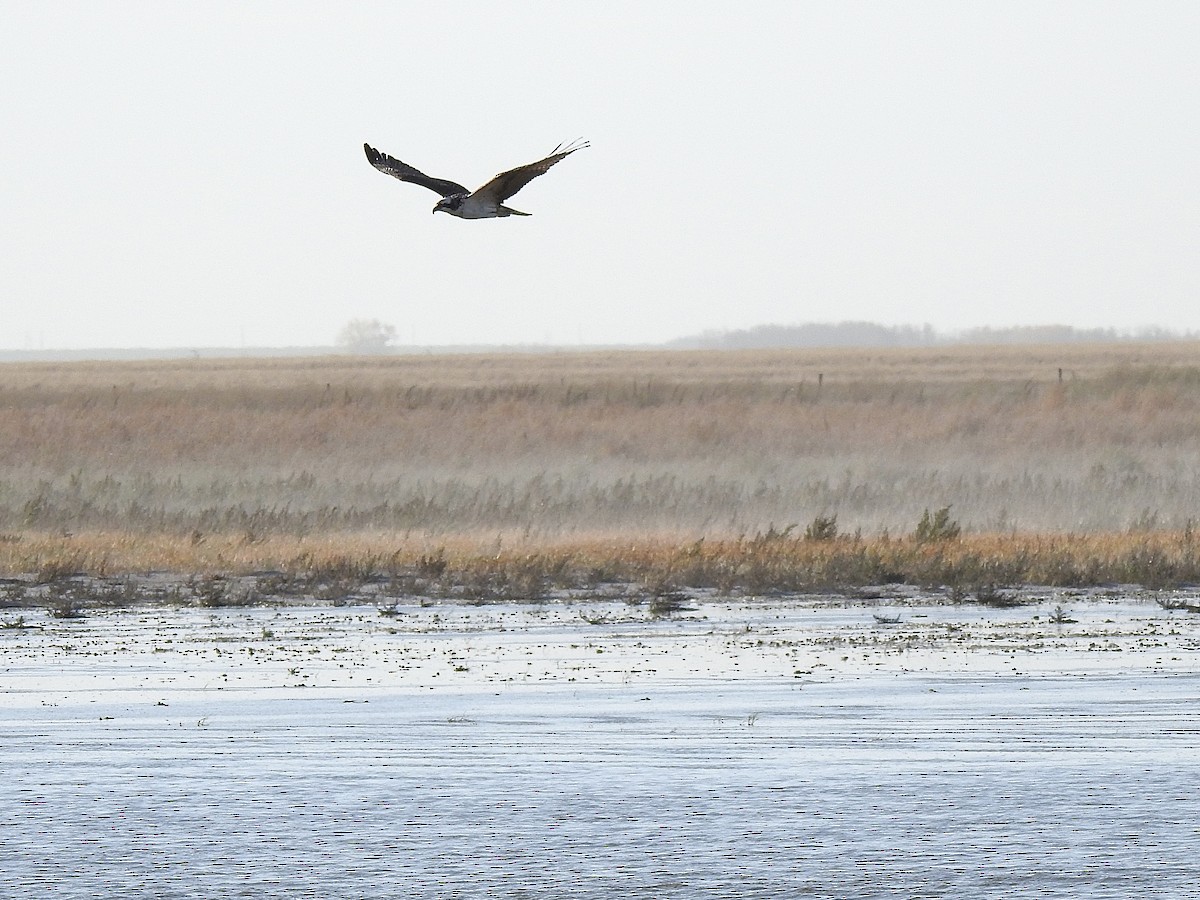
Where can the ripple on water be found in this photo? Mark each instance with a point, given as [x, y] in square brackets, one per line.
[872, 785]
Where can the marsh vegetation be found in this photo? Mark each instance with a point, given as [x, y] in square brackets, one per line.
[511, 475]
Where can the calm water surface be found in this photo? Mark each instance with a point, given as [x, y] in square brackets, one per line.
[749, 750]
[875, 786]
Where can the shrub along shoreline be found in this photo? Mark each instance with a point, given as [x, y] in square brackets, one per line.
[118, 569]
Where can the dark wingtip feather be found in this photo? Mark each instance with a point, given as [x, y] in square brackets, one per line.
[577, 144]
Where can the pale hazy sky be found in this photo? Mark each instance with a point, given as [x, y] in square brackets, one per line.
[192, 174]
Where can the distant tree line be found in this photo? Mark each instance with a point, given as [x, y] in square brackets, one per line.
[1065, 334]
[872, 334]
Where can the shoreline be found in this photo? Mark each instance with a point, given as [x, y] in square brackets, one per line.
[98, 570]
[164, 655]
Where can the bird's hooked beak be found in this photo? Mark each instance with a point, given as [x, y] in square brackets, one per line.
[439, 205]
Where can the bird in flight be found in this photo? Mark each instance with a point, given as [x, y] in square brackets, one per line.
[486, 202]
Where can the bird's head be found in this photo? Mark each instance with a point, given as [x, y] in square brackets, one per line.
[449, 204]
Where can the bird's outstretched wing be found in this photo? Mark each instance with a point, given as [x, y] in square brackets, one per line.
[392, 166]
[508, 183]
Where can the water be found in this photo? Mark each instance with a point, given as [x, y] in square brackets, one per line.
[872, 785]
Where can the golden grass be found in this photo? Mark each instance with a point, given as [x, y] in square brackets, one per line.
[764, 563]
[223, 465]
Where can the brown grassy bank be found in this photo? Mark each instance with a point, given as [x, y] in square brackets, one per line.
[546, 450]
[341, 566]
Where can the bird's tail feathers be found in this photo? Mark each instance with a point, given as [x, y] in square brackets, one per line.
[507, 211]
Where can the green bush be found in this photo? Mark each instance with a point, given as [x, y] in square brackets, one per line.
[936, 527]
[822, 528]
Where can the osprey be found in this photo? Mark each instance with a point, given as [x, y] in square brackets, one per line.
[485, 203]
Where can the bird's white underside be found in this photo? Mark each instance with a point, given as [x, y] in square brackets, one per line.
[475, 208]
[479, 208]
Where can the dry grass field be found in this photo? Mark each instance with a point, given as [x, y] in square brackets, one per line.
[1058, 462]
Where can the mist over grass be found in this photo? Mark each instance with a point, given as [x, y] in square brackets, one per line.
[519, 474]
[1048, 439]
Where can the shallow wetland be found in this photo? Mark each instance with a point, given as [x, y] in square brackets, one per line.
[585, 625]
[789, 746]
